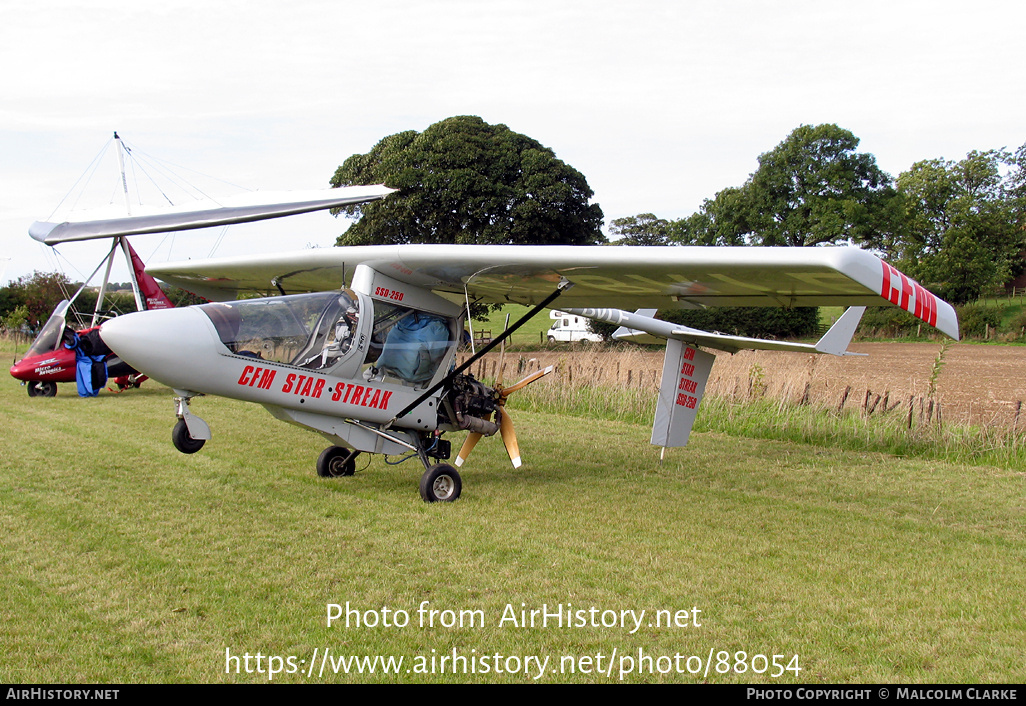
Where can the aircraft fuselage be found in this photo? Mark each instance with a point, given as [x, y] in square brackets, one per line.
[342, 354]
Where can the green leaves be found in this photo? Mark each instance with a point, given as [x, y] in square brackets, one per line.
[957, 227]
[643, 229]
[960, 236]
[37, 293]
[815, 188]
[810, 189]
[465, 181]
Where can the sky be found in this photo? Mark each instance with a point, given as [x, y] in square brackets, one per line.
[660, 104]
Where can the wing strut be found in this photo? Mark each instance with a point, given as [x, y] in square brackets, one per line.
[563, 286]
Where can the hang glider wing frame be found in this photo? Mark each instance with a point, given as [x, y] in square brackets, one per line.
[254, 206]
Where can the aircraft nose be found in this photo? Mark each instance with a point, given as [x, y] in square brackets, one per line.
[162, 343]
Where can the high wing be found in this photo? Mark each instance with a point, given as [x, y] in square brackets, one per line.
[244, 208]
[603, 276]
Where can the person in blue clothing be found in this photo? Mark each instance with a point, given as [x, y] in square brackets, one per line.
[90, 361]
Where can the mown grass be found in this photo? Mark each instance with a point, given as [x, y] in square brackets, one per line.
[125, 561]
[532, 333]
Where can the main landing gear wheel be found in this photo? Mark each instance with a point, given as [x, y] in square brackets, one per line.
[336, 461]
[182, 441]
[440, 484]
[42, 389]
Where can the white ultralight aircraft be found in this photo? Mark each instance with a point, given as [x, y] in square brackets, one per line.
[360, 345]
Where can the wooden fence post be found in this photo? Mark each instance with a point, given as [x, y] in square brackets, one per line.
[844, 398]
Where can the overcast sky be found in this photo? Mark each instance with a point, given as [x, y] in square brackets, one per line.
[660, 104]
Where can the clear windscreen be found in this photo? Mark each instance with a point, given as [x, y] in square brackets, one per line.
[308, 330]
[50, 335]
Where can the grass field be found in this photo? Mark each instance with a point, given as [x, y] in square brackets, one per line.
[125, 561]
[532, 333]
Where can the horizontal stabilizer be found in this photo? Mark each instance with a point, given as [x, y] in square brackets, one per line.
[628, 334]
[255, 206]
[641, 327]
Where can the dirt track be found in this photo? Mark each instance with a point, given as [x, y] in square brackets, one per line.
[981, 384]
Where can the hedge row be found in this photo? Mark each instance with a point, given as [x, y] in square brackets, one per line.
[974, 320]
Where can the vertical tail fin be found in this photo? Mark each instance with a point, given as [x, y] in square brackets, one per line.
[836, 340]
[153, 295]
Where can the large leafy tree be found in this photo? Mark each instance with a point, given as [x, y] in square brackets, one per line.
[1016, 189]
[726, 219]
[962, 233]
[465, 181]
[35, 296]
[643, 229]
[812, 188]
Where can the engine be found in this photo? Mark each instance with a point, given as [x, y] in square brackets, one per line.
[473, 404]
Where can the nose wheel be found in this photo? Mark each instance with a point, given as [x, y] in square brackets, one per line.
[40, 388]
[183, 441]
[190, 432]
[440, 484]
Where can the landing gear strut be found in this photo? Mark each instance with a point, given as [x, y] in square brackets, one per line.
[190, 432]
[440, 482]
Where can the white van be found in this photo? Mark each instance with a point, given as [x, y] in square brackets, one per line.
[569, 328]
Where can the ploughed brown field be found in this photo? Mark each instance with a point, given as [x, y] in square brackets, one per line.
[979, 384]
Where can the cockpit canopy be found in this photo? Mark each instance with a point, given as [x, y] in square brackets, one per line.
[337, 332]
[291, 330]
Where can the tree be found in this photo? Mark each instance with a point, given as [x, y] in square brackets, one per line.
[465, 181]
[815, 188]
[960, 237]
[39, 293]
[15, 319]
[1016, 188]
[810, 189]
[726, 219]
[10, 299]
[643, 229]
[753, 321]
